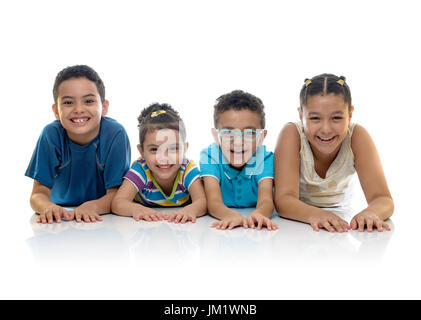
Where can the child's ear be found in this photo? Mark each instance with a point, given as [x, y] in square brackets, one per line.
[139, 148]
[262, 137]
[215, 136]
[55, 110]
[350, 114]
[300, 113]
[105, 107]
[186, 146]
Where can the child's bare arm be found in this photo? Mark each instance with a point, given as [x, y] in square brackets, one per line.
[194, 210]
[373, 182]
[264, 208]
[229, 217]
[123, 205]
[42, 205]
[287, 179]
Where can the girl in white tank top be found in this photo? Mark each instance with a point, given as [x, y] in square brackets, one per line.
[316, 158]
[328, 191]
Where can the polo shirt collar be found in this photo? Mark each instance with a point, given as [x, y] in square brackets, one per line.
[249, 169]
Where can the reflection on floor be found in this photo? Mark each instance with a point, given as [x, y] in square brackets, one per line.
[120, 240]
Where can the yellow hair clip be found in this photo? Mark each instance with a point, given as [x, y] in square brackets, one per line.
[341, 82]
[308, 81]
[157, 113]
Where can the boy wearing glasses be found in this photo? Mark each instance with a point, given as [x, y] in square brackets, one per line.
[237, 170]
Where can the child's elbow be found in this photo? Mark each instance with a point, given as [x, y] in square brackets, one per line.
[115, 203]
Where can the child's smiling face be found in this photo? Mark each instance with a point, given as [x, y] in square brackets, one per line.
[239, 151]
[164, 151]
[79, 109]
[326, 119]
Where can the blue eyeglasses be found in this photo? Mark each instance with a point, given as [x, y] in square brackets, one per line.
[247, 134]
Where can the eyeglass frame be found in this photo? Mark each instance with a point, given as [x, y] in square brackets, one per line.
[240, 133]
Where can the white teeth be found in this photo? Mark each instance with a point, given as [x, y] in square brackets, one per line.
[79, 120]
[325, 139]
[163, 167]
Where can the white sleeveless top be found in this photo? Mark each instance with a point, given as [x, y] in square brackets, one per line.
[330, 191]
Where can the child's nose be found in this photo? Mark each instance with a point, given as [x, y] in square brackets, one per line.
[238, 139]
[78, 106]
[325, 127]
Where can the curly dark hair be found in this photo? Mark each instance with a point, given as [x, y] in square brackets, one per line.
[239, 100]
[323, 84]
[79, 71]
[159, 116]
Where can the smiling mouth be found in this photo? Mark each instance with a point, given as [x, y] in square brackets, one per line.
[164, 167]
[238, 152]
[326, 140]
[80, 120]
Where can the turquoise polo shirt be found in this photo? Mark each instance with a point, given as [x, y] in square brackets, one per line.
[239, 188]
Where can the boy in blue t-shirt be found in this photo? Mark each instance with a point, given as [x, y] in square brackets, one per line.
[237, 170]
[80, 159]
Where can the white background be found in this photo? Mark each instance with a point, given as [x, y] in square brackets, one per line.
[188, 53]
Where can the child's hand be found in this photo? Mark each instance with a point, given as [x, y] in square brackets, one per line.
[231, 221]
[259, 219]
[329, 221]
[87, 211]
[52, 213]
[149, 214]
[183, 215]
[369, 219]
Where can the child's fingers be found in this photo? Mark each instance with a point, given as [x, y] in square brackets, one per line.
[224, 225]
[266, 223]
[86, 217]
[178, 218]
[315, 226]
[369, 224]
[185, 218]
[386, 226]
[57, 213]
[327, 226]
[274, 225]
[232, 224]
[215, 224]
[42, 218]
[161, 216]
[354, 224]
[337, 225]
[250, 222]
[378, 224]
[259, 223]
[361, 223]
[68, 215]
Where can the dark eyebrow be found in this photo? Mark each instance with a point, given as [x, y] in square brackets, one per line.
[89, 95]
[339, 112]
[66, 97]
[85, 96]
[231, 128]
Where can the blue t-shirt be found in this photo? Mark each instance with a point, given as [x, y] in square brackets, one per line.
[239, 189]
[74, 173]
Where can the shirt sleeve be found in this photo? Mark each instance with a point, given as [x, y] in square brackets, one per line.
[267, 168]
[136, 175]
[191, 174]
[118, 160]
[45, 159]
[209, 165]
